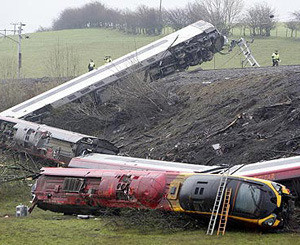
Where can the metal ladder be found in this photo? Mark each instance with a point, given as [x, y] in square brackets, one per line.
[224, 212]
[217, 204]
[247, 53]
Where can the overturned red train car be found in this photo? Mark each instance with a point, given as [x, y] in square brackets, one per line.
[284, 170]
[89, 191]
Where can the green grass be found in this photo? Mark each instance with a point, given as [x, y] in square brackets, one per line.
[96, 43]
[44, 227]
[262, 49]
[61, 230]
[87, 43]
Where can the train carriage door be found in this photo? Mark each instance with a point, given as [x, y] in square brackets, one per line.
[173, 190]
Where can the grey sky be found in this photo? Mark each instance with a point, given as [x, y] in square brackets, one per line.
[37, 13]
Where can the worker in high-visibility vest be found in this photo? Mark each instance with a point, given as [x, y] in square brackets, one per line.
[107, 59]
[275, 58]
[91, 65]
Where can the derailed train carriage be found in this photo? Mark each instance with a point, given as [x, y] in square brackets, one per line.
[53, 144]
[190, 46]
[88, 191]
[285, 171]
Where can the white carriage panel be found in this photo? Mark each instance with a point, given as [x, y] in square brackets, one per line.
[145, 164]
[108, 73]
[269, 166]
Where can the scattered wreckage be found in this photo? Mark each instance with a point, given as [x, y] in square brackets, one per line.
[99, 182]
[49, 143]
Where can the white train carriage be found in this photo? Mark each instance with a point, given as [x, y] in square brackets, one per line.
[191, 45]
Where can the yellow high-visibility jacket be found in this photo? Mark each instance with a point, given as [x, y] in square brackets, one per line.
[275, 56]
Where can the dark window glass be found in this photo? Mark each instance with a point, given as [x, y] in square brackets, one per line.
[73, 184]
[173, 190]
[248, 198]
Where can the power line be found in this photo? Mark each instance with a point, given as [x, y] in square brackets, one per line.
[18, 27]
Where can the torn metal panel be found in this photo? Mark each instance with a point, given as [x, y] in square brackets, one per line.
[54, 144]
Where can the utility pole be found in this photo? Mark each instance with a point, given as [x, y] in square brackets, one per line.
[19, 48]
[20, 26]
[160, 15]
[160, 5]
[15, 27]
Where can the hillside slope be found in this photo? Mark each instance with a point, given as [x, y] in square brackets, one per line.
[252, 113]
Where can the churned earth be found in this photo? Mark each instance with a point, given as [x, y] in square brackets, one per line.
[251, 114]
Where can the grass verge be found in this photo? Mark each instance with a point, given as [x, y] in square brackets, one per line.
[44, 227]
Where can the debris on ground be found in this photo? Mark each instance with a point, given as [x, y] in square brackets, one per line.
[251, 114]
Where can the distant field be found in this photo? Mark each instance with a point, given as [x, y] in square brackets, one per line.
[96, 43]
[87, 43]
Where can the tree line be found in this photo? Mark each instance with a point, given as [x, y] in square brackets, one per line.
[223, 14]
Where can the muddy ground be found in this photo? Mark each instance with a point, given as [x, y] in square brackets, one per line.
[252, 113]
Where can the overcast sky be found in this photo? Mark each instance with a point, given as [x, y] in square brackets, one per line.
[37, 13]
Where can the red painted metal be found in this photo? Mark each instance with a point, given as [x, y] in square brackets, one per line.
[104, 188]
[269, 170]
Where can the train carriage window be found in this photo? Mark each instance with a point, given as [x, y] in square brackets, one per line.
[248, 199]
[198, 191]
[73, 184]
[173, 190]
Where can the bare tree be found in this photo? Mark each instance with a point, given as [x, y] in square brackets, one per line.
[62, 61]
[153, 99]
[96, 15]
[259, 21]
[68, 19]
[221, 13]
[130, 22]
[177, 18]
[296, 15]
[293, 26]
[149, 20]
[93, 14]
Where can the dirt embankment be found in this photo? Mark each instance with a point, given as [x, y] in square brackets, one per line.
[253, 114]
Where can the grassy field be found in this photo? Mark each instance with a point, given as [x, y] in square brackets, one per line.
[262, 49]
[96, 43]
[50, 228]
[87, 43]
